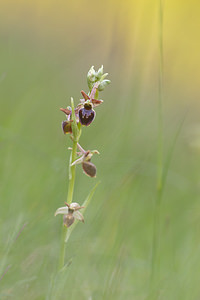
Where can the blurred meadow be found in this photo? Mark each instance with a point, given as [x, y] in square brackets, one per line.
[46, 50]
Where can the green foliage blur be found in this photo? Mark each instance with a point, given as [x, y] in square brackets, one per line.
[46, 51]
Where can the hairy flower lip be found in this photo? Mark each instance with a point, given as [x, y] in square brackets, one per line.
[86, 116]
[66, 126]
[89, 168]
[68, 220]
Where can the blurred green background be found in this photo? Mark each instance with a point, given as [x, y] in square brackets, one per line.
[46, 49]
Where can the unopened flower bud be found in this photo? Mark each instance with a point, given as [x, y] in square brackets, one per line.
[103, 84]
[99, 73]
[91, 77]
[91, 74]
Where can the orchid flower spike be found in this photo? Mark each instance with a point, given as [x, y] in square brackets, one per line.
[70, 212]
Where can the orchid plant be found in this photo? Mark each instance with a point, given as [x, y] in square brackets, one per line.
[76, 118]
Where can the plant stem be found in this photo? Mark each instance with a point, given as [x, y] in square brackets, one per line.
[158, 201]
[72, 173]
[62, 248]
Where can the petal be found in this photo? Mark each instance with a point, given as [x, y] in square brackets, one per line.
[77, 215]
[78, 161]
[80, 148]
[96, 102]
[74, 205]
[61, 210]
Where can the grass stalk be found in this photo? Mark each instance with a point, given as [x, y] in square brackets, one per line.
[159, 192]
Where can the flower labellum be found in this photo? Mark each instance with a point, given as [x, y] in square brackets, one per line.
[66, 126]
[68, 220]
[86, 114]
[89, 168]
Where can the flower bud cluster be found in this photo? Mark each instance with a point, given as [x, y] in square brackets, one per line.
[97, 76]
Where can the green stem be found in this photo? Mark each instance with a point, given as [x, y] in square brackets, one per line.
[62, 248]
[97, 94]
[72, 173]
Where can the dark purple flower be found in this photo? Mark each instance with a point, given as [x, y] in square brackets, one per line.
[86, 114]
[67, 125]
[84, 111]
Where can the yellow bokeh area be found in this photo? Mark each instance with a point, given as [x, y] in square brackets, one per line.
[126, 33]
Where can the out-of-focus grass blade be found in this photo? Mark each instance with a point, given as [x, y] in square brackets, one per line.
[170, 153]
[12, 237]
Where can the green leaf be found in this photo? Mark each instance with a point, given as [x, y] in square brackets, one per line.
[89, 197]
[170, 153]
